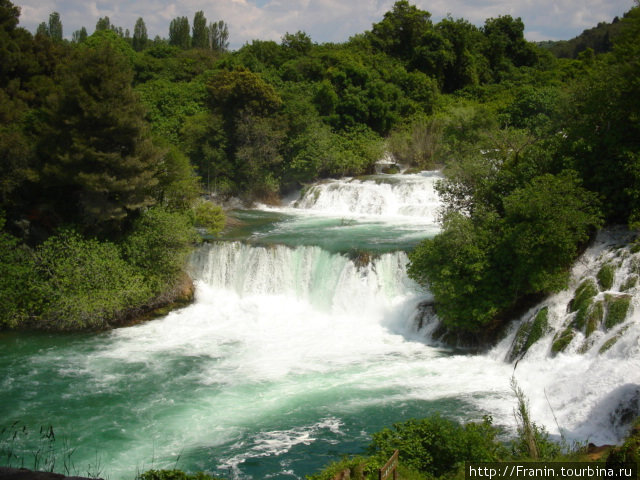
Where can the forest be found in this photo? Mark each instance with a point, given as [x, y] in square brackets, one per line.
[110, 142]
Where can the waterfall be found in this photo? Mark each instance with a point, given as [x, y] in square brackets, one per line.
[329, 281]
[578, 352]
[385, 195]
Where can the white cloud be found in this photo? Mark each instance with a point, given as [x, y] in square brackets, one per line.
[323, 20]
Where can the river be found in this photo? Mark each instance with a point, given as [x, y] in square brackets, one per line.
[302, 341]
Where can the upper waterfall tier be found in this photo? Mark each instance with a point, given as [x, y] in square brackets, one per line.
[383, 195]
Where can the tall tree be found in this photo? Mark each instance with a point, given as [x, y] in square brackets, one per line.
[401, 30]
[179, 32]
[103, 23]
[79, 36]
[100, 163]
[200, 32]
[140, 37]
[218, 36]
[55, 27]
[42, 29]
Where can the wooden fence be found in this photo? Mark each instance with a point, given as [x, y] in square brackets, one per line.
[386, 472]
[389, 468]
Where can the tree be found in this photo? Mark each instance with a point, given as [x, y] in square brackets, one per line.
[100, 162]
[200, 31]
[298, 42]
[506, 45]
[103, 23]
[218, 36]
[42, 29]
[238, 90]
[179, 32]
[401, 30]
[140, 37]
[55, 27]
[79, 36]
[545, 222]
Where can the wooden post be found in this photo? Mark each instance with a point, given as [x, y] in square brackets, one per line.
[389, 468]
[344, 475]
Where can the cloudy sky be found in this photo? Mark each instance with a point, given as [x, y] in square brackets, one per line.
[323, 20]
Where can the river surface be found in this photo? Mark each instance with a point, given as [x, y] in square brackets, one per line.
[302, 341]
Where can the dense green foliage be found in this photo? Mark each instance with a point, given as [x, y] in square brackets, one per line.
[437, 445]
[173, 475]
[553, 159]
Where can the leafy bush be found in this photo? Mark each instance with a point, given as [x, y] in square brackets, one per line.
[158, 246]
[85, 283]
[174, 475]
[436, 445]
[18, 290]
[562, 340]
[209, 216]
[357, 466]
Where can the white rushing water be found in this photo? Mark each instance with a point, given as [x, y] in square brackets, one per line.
[385, 196]
[593, 385]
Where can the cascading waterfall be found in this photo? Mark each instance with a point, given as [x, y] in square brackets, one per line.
[578, 352]
[330, 282]
[388, 195]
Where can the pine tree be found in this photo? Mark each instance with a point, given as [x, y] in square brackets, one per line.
[100, 161]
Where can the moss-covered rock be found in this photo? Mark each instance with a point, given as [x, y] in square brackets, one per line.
[583, 296]
[606, 275]
[562, 341]
[594, 319]
[629, 283]
[539, 327]
[529, 333]
[517, 348]
[608, 344]
[617, 309]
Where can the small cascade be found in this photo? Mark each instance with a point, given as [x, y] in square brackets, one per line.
[384, 195]
[577, 354]
[598, 315]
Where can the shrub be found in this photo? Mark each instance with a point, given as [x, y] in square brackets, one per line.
[85, 283]
[562, 341]
[436, 445]
[159, 245]
[18, 286]
[595, 318]
[174, 475]
[209, 216]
